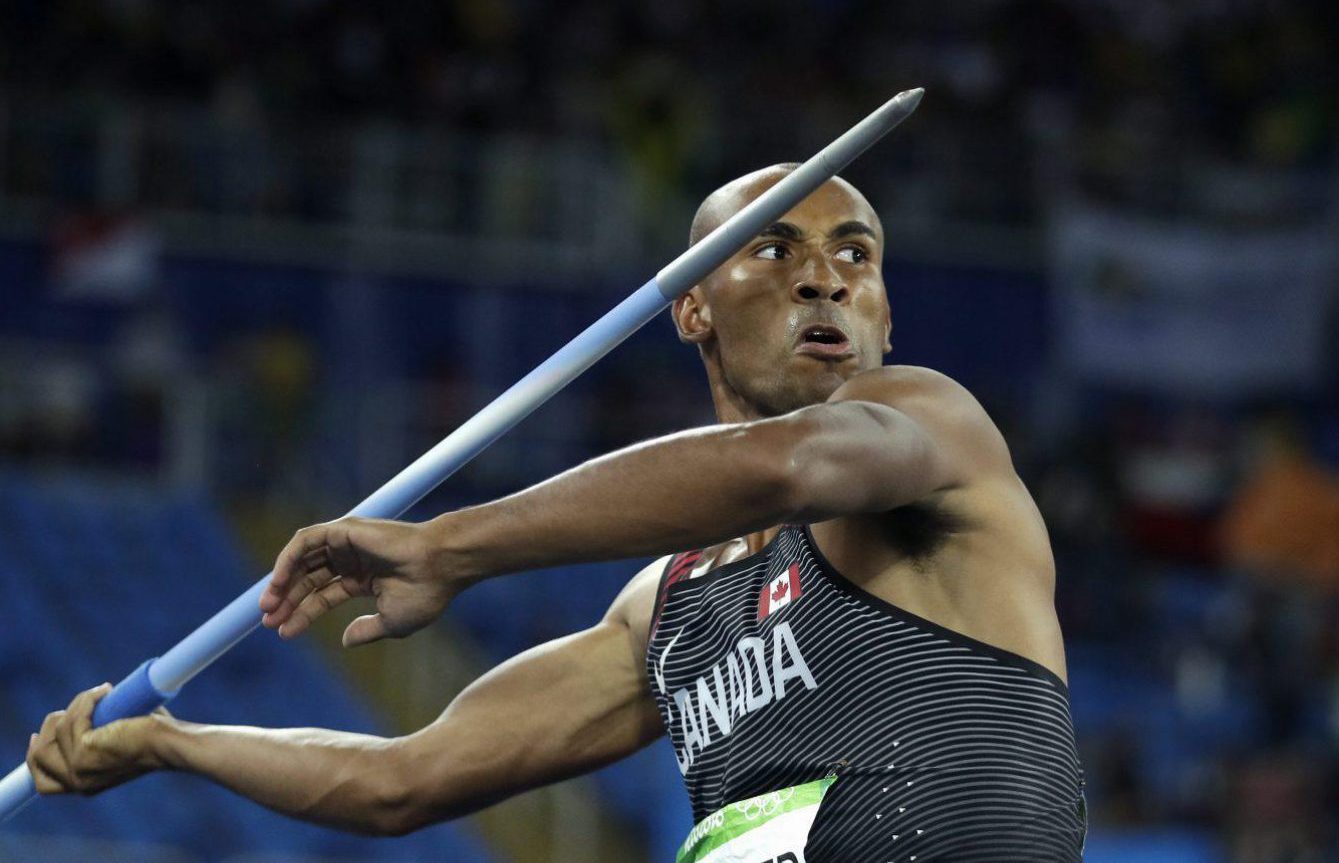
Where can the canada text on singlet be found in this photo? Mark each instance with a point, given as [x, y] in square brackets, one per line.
[774, 671]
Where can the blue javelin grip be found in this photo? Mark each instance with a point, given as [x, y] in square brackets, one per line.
[134, 696]
[157, 680]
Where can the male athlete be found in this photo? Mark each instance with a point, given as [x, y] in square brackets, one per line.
[852, 634]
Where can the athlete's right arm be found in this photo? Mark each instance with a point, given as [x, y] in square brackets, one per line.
[555, 711]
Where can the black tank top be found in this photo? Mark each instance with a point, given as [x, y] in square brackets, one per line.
[775, 670]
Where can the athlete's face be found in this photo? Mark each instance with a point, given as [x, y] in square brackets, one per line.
[797, 311]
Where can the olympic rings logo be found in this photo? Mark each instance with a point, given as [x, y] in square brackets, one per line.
[764, 805]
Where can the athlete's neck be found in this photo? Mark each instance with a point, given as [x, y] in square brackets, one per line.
[758, 540]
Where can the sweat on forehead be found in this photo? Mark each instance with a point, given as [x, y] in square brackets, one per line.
[734, 195]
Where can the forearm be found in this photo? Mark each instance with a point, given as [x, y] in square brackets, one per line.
[684, 491]
[699, 488]
[344, 780]
[558, 710]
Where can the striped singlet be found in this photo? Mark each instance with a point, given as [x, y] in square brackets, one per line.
[775, 670]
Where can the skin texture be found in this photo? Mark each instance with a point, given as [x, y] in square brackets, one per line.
[824, 435]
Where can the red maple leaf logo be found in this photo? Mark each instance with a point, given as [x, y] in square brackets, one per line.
[779, 591]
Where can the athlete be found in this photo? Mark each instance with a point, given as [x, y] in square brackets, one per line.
[850, 639]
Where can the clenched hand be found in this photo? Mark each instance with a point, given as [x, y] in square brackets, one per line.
[69, 755]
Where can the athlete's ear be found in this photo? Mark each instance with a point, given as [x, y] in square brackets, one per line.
[692, 317]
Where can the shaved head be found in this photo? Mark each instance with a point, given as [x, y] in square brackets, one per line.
[734, 195]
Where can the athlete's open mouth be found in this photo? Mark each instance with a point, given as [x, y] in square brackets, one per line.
[824, 340]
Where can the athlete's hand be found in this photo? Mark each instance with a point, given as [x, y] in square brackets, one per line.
[324, 566]
[69, 755]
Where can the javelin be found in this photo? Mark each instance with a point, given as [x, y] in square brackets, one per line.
[159, 679]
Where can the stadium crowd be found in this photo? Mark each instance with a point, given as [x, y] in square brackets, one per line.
[1197, 538]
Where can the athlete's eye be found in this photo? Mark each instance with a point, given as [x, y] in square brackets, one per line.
[772, 252]
[852, 255]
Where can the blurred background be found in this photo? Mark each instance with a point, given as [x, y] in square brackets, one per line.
[255, 259]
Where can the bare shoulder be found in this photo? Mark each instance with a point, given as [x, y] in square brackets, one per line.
[939, 404]
[635, 604]
[902, 385]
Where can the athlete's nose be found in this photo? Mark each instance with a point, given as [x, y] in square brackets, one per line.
[818, 281]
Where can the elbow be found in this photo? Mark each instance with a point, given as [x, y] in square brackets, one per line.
[395, 813]
[401, 810]
[390, 808]
[396, 805]
[416, 790]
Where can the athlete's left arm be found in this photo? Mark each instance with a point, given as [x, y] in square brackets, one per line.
[886, 438]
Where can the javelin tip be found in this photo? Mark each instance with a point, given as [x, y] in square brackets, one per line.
[909, 99]
[885, 118]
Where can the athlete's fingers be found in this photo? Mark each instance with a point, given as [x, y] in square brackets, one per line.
[315, 571]
[331, 595]
[45, 760]
[39, 765]
[78, 719]
[314, 559]
[298, 592]
[289, 564]
[48, 730]
[344, 557]
[365, 630]
[81, 710]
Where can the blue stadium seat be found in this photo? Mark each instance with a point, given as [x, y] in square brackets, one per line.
[1153, 846]
[99, 576]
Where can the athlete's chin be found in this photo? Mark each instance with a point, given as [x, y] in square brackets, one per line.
[824, 376]
[813, 388]
[799, 383]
